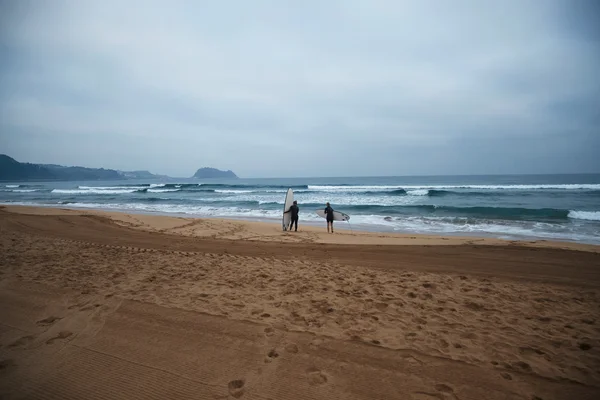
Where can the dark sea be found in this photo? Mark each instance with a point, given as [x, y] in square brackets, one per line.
[565, 207]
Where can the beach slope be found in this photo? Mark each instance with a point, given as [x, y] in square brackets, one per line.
[98, 305]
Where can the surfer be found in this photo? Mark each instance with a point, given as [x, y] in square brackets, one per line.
[329, 217]
[294, 209]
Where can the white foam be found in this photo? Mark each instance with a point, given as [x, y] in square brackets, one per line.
[24, 190]
[499, 229]
[322, 198]
[586, 215]
[111, 187]
[418, 192]
[353, 188]
[12, 186]
[94, 191]
[326, 188]
[162, 190]
[224, 191]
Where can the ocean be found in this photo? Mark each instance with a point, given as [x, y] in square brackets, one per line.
[563, 207]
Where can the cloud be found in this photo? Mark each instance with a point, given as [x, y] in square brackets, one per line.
[318, 88]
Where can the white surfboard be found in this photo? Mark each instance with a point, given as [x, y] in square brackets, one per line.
[289, 200]
[337, 216]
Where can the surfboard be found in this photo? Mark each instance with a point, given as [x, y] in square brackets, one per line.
[337, 216]
[289, 200]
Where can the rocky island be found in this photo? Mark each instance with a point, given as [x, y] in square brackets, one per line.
[207, 173]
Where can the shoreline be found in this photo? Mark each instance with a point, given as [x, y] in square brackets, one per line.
[211, 227]
[496, 230]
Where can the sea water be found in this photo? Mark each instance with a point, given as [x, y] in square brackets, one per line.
[564, 207]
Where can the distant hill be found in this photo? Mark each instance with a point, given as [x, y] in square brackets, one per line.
[207, 173]
[12, 170]
[82, 173]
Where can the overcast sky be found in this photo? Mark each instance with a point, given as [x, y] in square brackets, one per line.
[307, 88]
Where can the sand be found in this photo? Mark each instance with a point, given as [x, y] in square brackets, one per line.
[109, 305]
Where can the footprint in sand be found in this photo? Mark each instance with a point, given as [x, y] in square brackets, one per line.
[61, 335]
[442, 392]
[269, 331]
[89, 307]
[236, 388]
[7, 365]
[48, 321]
[21, 341]
[315, 377]
[272, 355]
[291, 348]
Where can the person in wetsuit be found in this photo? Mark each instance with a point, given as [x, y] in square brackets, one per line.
[329, 217]
[294, 210]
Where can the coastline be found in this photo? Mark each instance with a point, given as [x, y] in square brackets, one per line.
[522, 208]
[235, 229]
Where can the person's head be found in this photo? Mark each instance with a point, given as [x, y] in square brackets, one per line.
[295, 202]
[327, 203]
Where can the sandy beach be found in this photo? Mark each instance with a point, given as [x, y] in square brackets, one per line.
[99, 305]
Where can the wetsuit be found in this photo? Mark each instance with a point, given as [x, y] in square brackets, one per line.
[294, 210]
[329, 213]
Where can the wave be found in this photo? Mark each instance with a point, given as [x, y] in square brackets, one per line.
[475, 192]
[14, 186]
[471, 226]
[525, 187]
[254, 187]
[96, 191]
[352, 188]
[441, 193]
[163, 190]
[176, 185]
[14, 190]
[418, 192]
[585, 215]
[197, 190]
[395, 192]
[119, 187]
[226, 191]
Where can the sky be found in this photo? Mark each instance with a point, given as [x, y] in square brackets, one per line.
[296, 89]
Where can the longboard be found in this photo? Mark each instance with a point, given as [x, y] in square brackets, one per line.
[289, 200]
